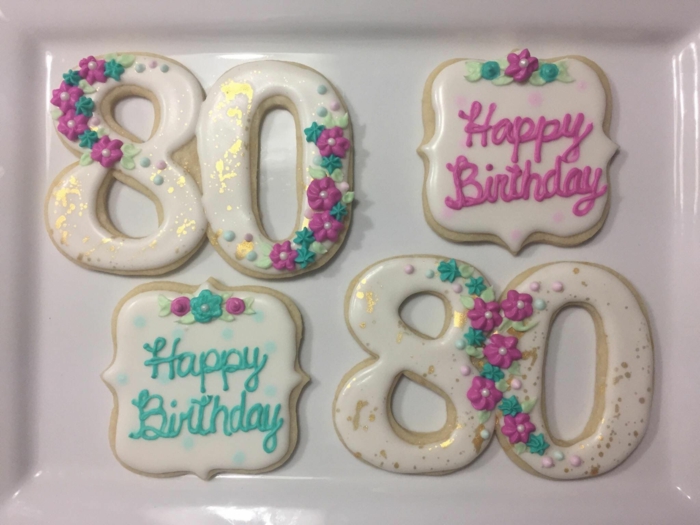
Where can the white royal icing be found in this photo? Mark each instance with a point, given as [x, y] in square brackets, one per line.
[223, 139]
[71, 210]
[361, 408]
[270, 329]
[513, 222]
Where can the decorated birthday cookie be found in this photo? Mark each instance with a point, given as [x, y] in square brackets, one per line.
[228, 143]
[164, 167]
[516, 150]
[205, 379]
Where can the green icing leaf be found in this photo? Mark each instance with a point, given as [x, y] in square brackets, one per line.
[505, 324]
[527, 406]
[514, 368]
[101, 132]
[536, 79]
[519, 448]
[126, 60]
[342, 121]
[263, 262]
[264, 249]
[488, 295]
[473, 71]
[484, 416]
[249, 305]
[502, 80]
[563, 75]
[86, 159]
[225, 296]
[474, 351]
[56, 113]
[502, 385]
[127, 163]
[186, 319]
[467, 301]
[465, 270]
[86, 87]
[503, 62]
[110, 56]
[348, 197]
[318, 248]
[225, 316]
[317, 173]
[520, 327]
[337, 175]
[328, 120]
[164, 304]
[130, 150]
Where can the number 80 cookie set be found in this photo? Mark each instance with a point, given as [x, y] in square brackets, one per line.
[516, 151]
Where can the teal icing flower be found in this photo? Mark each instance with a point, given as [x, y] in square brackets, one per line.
[510, 406]
[206, 306]
[448, 270]
[84, 106]
[304, 257]
[88, 139]
[491, 372]
[549, 72]
[313, 132]
[475, 337]
[304, 238]
[72, 78]
[114, 69]
[331, 163]
[339, 211]
[490, 70]
[476, 285]
[537, 444]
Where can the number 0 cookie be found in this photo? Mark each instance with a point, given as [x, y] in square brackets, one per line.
[516, 150]
[205, 379]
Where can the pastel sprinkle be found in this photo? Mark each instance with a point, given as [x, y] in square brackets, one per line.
[251, 256]
[557, 286]
[429, 274]
[335, 105]
[322, 112]
[140, 68]
[460, 344]
[558, 455]
[547, 462]
[248, 237]
[309, 214]
[515, 384]
[145, 162]
[317, 160]
[456, 287]
[161, 165]
[157, 180]
[540, 304]
[465, 370]
[321, 89]
[485, 434]
[229, 235]
[343, 186]
[165, 68]
[575, 460]
[152, 64]
[408, 269]
[94, 122]
[535, 286]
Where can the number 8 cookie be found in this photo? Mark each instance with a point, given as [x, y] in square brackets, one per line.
[75, 207]
[228, 145]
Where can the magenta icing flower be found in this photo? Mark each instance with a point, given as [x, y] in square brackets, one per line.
[180, 306]
[325, 227]
[521, 66]
[107, 152]
[517, 429]
[92, 70]
[485, 316]
[72, 125]
[483, 394]
[235, 306]
[66, 96]
[517, 306]
[282, 256]
[501, 351]
[331, 141]
[323, 194]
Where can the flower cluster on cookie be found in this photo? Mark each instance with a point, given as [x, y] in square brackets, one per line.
[518, 67]
[328, 197]
[497, 353]
[205, 307]
[74, 111]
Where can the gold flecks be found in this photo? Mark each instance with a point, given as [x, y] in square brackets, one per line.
[478, 440]
[237, 114]
[382, 453]
[396, 465]
[171, 189]
[595, 470]
[576, 270]
[86, 239]
[372, 417]
[243, 248]
[360, 295]
[514, 333]
[356, 418]
[399, 336]
[181, 181]
[642, 400]
[362, 325]
[153, 243]
[616, 380]
[358, 455]
[431, 369]
[61, 194]
[447, 443]
[235, 147]
[64, 237]
[371, 301]
[60, 221]
[232, 89]
[624, 365]
[460, 319]
[182, 229]
[599, 437]
[530, 354]
[229, 208]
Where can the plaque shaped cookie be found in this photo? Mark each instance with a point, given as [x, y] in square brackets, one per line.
[516, 150]
[205, 379]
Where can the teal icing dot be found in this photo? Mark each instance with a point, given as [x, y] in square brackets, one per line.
[540, 304]
[460, 344]
[251, 256]
[270, 347]
[173, 403]
[321, 89]
[178, 332]
[157, 180]
[317, 160]
[485, 434]
[229, 235]
[165, 68]
[270, 390]
[238, 458]
[429, 274]
[122, 379]
[145, 162]
[558, 455]
[139, 321]
[188, 442]
[140, 68]
[322, 112]
[227, 333]
[258, 317]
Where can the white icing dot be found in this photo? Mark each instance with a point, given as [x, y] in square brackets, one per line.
[71, 123]
[92, 64]
[283, 256]
[488, 315]
[327, 225]
[523, 62]
[485, 392]
[323, 194]
[65, 96]
[520, 305]
[106, 152]
[331, 142]
[520, 428]
[502, 351]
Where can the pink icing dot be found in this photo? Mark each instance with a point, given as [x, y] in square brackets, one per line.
[309, 214]
[515, 384]
[557, 286]
[534, 286]
[489, 167]
[343, 186]
[94, 122]
[152, 64]
[516, 235]
[456, 287]
[582, 85]
[465, 370]
[161, 165]
[408, 269]
[558, 217]
[547, 462]
[575, 461]
[535, 99]
[335, 105]
[248, 237]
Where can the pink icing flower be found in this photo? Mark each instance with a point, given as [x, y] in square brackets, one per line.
[502, 351]
[107, 152]
[180, 306]
[282, 256]
[517, 429]
[483, 394]
[66, 96]
[485, 316]
[517, 306]
[235, 306]
[325, 227]
[72, 125]
[521, 66]
[92, 70]
[323, 194]
[331, 141]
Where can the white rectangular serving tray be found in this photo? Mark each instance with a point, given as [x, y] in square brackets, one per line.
[56, 466]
